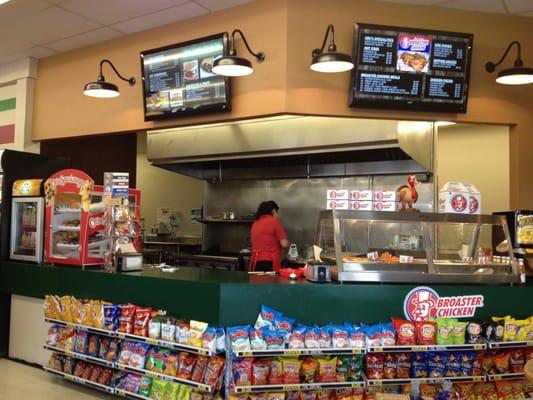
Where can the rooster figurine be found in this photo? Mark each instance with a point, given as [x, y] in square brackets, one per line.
[407, 194]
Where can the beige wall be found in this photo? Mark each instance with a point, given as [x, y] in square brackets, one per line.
[161, 188]
[477, 154]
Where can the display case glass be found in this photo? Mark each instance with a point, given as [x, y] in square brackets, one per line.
[375, 246]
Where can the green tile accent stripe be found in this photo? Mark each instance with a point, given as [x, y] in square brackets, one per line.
[8, 104]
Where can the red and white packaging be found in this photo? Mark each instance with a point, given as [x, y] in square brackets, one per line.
[454, 198]
[361, 205]
[406, 259]
[385, 206]
[337, 204]
[338, 194]
[385, 196]
[373, 256]
[474, 199]
[361, 195]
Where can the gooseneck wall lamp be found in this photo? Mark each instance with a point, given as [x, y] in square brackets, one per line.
[232, 65]
[103, 89]
[331, 61]
[517, 75]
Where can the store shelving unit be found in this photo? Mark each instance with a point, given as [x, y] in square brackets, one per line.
[422, 348]
[129, 395]
[509, 376]
[381, 382]
[166, 344]
[300, 386]
[81, 381]
[298, 352]
[507, 345]
[90, 329]
[79, 356]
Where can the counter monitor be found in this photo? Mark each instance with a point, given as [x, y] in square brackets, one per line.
[410, 69]
[178, 79]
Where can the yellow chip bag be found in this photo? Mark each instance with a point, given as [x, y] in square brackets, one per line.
[52, 307]
[522, 329]
[66, 313]
[196, 332]
[510, 329]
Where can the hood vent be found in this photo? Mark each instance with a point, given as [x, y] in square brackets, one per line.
[294, 147]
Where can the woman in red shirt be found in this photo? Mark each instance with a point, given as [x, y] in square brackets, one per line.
[268, 238]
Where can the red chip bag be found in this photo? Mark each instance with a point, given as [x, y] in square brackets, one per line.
[405, 332]
[186, 363]
[403, 365]
[260, 372]
[199, 369]
[390, 366]
[142, 317]
[426, 332]
[374, 365]
[126, 318]
[213, 370]
[517, 360]
[275, 377]
[242, 371]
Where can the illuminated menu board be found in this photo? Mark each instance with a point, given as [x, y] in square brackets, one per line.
[410, 69]
[178, 79]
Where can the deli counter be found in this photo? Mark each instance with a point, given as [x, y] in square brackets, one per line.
[374, 246]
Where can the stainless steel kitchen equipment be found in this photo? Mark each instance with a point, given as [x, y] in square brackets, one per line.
[413, 247]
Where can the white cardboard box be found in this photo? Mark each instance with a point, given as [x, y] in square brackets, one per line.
[361, 205]
[338, 194]
[385, 196]
[453, 198]
[385, 206]
[361, 195]
[337, 204]
[474, 199]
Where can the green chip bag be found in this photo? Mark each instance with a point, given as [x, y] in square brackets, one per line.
[158, 389]
[444, 331]
[171, 391]
[343, 369]
[184, 393]
[356, 367]
[145, 386]
[458, 334]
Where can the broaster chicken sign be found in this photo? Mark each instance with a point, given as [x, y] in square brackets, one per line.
[423, 303]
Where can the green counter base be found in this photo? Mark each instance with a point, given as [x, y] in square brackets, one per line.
[232, 298]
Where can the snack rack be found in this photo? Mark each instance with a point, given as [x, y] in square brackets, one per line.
[74, 223]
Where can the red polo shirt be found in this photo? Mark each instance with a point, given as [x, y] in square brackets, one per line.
[267, 232]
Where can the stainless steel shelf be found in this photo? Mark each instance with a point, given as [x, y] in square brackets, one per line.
[298, 352]
[295, 387]
[80, 356]
[89, 329]
[164, 343]
[381, 382]
[420, 348]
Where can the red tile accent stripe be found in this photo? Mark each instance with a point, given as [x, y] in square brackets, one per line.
[7, 134]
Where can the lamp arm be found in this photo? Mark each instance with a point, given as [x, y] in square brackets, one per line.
[130, 80]
[260, 56]
[518, 61]
[328, 30]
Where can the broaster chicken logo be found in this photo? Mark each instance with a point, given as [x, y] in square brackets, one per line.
[423, 303]
[459, 202]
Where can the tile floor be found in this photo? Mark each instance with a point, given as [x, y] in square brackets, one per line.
[21, 382]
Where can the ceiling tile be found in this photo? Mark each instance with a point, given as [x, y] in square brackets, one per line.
[49, 25]
[108, 12]
[519, 6]
[36, 52]
[85, 39]
[17, 9]
[179, 13]
[494, 6]
[214, 5]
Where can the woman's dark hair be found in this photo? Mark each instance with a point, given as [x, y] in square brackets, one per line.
[266, 208]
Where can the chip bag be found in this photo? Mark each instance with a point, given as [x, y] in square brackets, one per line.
[327, 370]
[426, 332]
[374, 365]
[266, 317]
[196, 333]
[52, 307]
[239, 339]
[405, 331]
[308, 370]
[458, 333]
[260, 371]
[444, 331]
[275, 377]
[291, 370]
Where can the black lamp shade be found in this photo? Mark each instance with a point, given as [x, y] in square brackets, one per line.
[101, 89]
[232, 66]
[332, 62]
[515, 76]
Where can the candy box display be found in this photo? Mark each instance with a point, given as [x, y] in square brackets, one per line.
[454, 198]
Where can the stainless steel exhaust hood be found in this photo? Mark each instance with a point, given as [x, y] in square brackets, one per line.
[292, 146]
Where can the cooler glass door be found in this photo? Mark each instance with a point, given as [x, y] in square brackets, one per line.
[27, 229]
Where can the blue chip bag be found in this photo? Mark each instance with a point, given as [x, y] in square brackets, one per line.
[110, 317]
[340, 338]
[274, 339]
[324, 340]
[388, 335]
[312, 337]
[418, 365]
[297, 337]
[209, 339]
[436, 364]
[374, 335]
[452, 363]
[257, 338]
[238, 336]
[466, 360]
[221, 340]
[267, 317]
[284, 324]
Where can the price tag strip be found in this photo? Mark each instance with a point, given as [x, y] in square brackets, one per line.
[505, 345]
[166, 344]
[380, 382]
[197, 385]
[97, 331]
[420, 348]
[80, 356]
[499, 377]
[298, 352]
[81, 381]
[295, 387]
[124, 393]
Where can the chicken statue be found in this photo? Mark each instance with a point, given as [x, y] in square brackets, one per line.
[407, 194]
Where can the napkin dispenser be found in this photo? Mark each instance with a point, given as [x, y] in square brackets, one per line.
[318, 272]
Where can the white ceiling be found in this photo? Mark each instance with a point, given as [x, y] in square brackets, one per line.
[41, 28]
[510, 7]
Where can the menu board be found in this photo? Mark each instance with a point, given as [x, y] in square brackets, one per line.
[178, 79]
[410, 69]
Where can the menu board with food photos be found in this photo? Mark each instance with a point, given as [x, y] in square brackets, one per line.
[178, 79]
[410, 69]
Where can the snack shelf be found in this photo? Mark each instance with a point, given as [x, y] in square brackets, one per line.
[380, 382]
[67, 246]
[164, 343]
[89, 329]
[81, 381]
[80, 356]
[197, 385]
[130, 395]
[499, 377]
[67, 210]
[420, 348]
[298, 352]
[63, 228]
[506, 345]
[295, 387]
